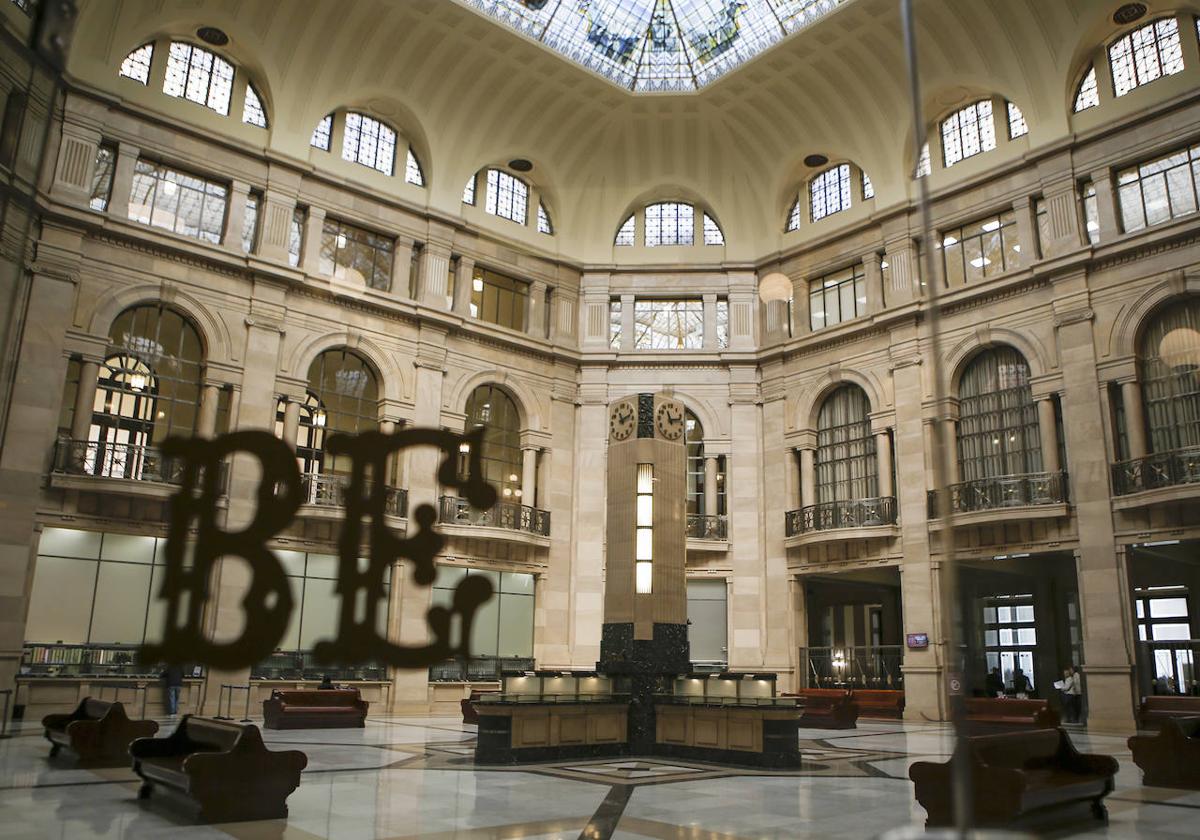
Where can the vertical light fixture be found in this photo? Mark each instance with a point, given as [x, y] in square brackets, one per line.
[644, 565]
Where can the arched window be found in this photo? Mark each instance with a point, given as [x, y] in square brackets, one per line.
[829, 192]
[507, 196]
[543, 220]
[1169, 362]
[670, 223]
[493, 409]
[195, 74]
[310, 434]
[148, 389]
[968, 132]
[1087, 95]
[1147, 53]
[368, 141]
[136, 65]
[627, 233]
[252, 111]
[699, 486]
[924, 164]
[694, 438]
[343, 397]
[997, 418]
[846, 466]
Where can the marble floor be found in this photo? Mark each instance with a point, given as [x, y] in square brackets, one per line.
[413, 778]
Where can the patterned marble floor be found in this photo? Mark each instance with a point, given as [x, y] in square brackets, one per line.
[403, 778]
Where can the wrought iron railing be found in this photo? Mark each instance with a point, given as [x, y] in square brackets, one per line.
[1162, 469]
[1002, 492]
[455, 511]
[104, 459]
[876, 667]
[702, 527]
[856, 513]
[329, 490]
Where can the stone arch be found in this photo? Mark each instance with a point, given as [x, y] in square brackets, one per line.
[713, 427]
[521, 395]
[391, 380]
[673, 191]
[808, 406]
[1034, 353]
[214, 335]
[1131, 320]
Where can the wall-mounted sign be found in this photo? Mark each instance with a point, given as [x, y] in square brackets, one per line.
[917, 641]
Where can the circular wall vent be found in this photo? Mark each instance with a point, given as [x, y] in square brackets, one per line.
[816, 160]
[520, 165]
[212, 35]
[1129, 13]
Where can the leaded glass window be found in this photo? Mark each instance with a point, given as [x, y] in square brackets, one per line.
[250, 222]
[253, 112]
[296, 236]
[829, 192]
[1091, 212]
[1088, 95]
[136, 65]
[323, 133]
[967, 132]
[670, 223]
[492, 408]
[352, 253]
[614, 323]
[997, 418]
[345, 400]
[412, 170]
[712, 232]
[837, 297]
[924, 165]
[1159, 190]
[543, 220]
[507, 196]
[846, 465]
[627, 233]
[669, 324]
[793, 219]
[723, 323]
[1145, 54]
[179, 202]
[867, 187]
[369, 142]
[468, 195]
[102, 176]
[981, 249]
[1017, 126]
[195, 74]
[1169, 361]
[499, 299]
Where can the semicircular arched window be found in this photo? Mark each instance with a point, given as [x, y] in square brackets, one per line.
[846, 464]
[492, 408]
[1169, 367]
[342, 398]
[998, 433]
[369, 142]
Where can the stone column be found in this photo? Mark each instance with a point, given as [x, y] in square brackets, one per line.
[873, 277]
[1026, 230]
[434, 270]
[206, 423]
[85, 399]
[557, 595]
[122, 187]
[710, 484]
[1135, 421]
[1106, 204]
[1048, 434]
[710, 321]
[310, 256]
[801, 308]
[900, 254]
[950, 441]
[276, 212]
[235, 217]
[750, 601]
[585, 593]
[791, 458]
[402, 253]
[291, 422]
[462, 286]
[808, 494]
[627, 323]
[535, 323]
[743, 303]
[883, 453]
[529, 458]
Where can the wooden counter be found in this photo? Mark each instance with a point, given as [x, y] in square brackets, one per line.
[517, 732]
[41, 696]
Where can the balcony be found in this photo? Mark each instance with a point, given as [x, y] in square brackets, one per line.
[1003, 498]
[707, 528]
[1162, 477]
[323, 495]
[841, 520]
[116, 467]
[504, 520]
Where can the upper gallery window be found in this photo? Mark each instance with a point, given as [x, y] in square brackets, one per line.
[348, 250]
[627, 234]
[1017, 127]
[136, 65]
[499, 299]
[1145, 54]
[1160, 189]
[412, 170]
[369, 142]
[829, 192]
[712, 232]
[668, 324]
[102, 176]
[507, 196]
[543, 220]
[323, 133]
[968, 132]
[837, 297]
[179, 202]
[1088, 94]
[200, 76]
[670, 223]
[982, 249]
[252, 110]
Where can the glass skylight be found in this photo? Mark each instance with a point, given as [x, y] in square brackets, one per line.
[657, 45]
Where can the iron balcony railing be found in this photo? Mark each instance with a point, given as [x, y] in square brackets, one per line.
[856, 513]
[329, 490]
[702, 527]
[455, 511]
[1002, 492]
[478, 668]
[1162, 469]
[872, 667]
[107, 459]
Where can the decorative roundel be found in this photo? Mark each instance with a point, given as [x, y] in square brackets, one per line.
[622, 421]
[668, 417]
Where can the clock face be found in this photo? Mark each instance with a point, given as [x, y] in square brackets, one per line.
[622, 421]
[668, 417]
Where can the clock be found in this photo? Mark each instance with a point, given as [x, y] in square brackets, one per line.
[668, 418]
[622, 421]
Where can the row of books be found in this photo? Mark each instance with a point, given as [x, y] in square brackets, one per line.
[77, 655]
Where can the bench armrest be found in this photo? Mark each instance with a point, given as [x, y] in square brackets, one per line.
[58, 721]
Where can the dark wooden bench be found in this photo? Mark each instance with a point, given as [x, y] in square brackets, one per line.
[98, 732]
[1155, 709]
[879, 703]
[469, 713]
[314, 709]
[1172, 757]
[1017, 779]
[827, 708]
[1000, 714]
[221, 768]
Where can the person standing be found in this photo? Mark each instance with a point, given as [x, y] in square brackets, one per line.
[1072, 692]
[172, 678]
[994, 683]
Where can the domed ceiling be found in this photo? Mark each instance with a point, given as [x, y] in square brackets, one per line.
[657, 45]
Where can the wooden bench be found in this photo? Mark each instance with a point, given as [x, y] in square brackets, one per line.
[98, 732]
[221, 768]
[827, 708]
[1017, 778]
[1172, 757]
[469, 713]
[1155, 709]
[314, 709]
[879, 703]
[1000, 714]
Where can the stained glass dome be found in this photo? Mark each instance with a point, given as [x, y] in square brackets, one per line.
[657, 45]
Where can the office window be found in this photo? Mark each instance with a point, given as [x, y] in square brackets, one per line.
[627, 233]
[136, 65]
[369, 142]
[1145, 54]
[468, 196]
[1017, 126]
[296, 236]
[1159, 190]
[967, 132]
[323, 133]
[102, 176]
[353, 253]
[504, 625]
[614, 323]
[250, 222]
[829, 192]
[1088, 95]
[179, 202]
[253, 112]
[712, 232]
[668, 324]
[507, 197]
[837, 297]
[670, 223]
[412, 170]
[499, 299]
[543, 220]
[195, 74]
[981, 249]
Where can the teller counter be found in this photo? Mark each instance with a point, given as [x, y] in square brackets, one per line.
[143, 697]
